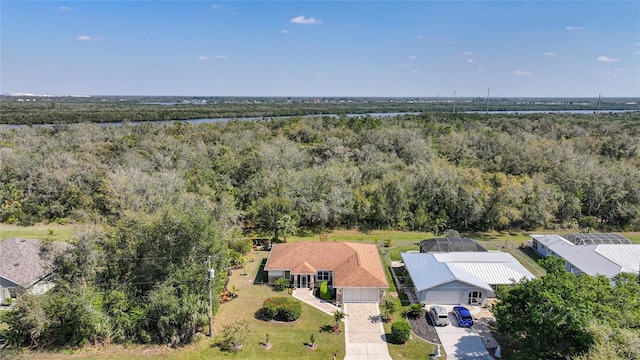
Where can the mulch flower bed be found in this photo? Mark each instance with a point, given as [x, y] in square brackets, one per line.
[422, 327]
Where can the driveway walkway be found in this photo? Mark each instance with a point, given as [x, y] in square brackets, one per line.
[364, 333]
[306, 296]
[461, 343]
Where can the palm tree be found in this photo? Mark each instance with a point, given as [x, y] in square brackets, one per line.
[337, 316]
[389, 307]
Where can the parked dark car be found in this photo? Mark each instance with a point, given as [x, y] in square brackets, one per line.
[463, 315]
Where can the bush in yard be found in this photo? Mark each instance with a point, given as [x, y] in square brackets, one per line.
[281, 284]
[325, 294]
[400, 330]
[280, 308]
[234, 335]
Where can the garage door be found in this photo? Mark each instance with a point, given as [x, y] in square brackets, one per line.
[360, 295]
[442, 297]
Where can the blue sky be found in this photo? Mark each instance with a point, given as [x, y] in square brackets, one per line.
[328, 48]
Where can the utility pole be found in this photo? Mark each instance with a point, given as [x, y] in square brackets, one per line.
[488, 100]
[211, 274]
[598, 111]
[454, 101]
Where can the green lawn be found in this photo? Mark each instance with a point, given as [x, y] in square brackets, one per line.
[56, 232]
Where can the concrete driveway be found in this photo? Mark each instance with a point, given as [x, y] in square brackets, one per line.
[461, 343]
[364, 333]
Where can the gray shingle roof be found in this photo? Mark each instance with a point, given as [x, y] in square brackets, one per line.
[20, 260]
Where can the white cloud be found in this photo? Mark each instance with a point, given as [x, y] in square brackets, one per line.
[412, 57]
[215, 57]
[522, 73]
[65, 8]
[607, 59]
[637, 52]
[419, 37]
[415, 72]
[573, 28]
[404, 65]
[284, 31]
[305, 21]
[467, 53]
[216, 6]
[86, 38]
[480, 69]
[470, 61]
[317, 74]
[549, 54]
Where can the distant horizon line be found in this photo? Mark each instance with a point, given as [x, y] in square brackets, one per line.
[317, 96]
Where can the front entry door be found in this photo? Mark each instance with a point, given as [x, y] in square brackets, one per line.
[475, 297]
[303, 281]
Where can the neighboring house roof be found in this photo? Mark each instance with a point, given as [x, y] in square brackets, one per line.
[480, 269]
[450, 245]
[20, 261]
[353, 264]
[599, 259]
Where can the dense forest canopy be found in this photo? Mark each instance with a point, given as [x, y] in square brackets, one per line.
[157, 199]
[415, 172]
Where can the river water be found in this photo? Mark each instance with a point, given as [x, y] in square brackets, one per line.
[378, 115]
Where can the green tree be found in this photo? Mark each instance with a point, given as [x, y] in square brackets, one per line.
[273, 214]
[549, 317]
[234, 335]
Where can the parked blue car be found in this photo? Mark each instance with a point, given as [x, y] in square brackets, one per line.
[463, 315]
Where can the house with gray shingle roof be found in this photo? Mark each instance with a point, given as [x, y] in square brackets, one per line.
[21, 267]
[354, 270]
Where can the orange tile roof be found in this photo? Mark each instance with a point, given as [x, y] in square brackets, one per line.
[353, 264]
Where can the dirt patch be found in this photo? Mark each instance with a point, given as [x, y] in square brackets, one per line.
[485, 324]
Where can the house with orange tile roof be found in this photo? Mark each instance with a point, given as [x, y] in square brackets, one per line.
[353, 270]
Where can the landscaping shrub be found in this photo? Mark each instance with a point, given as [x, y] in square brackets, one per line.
[400, 330]
[325, 294]
[416, 310]
[280, 308]
[281, 284]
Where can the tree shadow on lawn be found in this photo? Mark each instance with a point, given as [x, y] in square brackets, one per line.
[326, 328]
[387, 337]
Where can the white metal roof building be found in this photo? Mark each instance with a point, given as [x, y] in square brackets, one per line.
[608, 259]
[461, 277]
